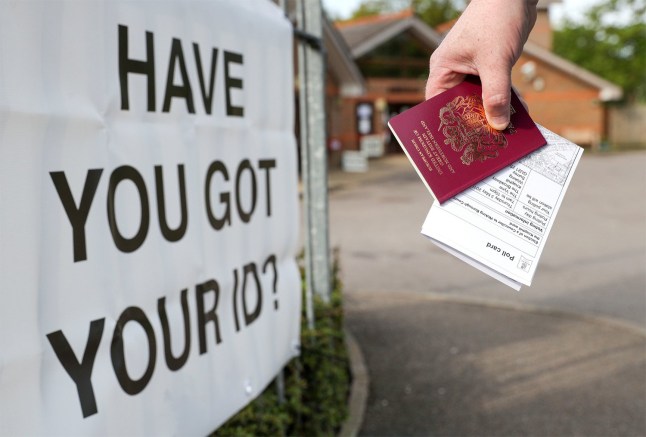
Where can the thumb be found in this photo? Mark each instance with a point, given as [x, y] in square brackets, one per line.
[496, 97]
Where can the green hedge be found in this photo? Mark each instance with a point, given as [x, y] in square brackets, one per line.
[317, 382]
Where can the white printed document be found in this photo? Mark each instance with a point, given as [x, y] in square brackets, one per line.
[501, 224]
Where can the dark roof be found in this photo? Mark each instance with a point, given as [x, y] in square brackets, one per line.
[365, 34]
[362, 29]
[341, 63]
[339, 59]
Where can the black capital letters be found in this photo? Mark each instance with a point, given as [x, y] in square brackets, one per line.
[267, 164]
[232, 82]
[235, 299]
[217, 223]
[80, 372]
[250, 317]
[145, 67]
[77, 216]
[168, 233]
[203, 317]
[245, 216]
[128, 244]
[172, 362]
[207, 96]
[117, 352]
[183, 90]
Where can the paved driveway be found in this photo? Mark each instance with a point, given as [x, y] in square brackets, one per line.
[451, 351]
[594, 262]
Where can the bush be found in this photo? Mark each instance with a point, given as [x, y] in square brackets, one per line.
[316, 383]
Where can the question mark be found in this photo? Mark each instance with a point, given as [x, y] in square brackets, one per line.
[272, 260]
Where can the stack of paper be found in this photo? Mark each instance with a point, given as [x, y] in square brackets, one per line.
[500, 220]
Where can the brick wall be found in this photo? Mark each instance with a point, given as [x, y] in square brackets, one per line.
[542, 32]
[561, 102]
[626, 126]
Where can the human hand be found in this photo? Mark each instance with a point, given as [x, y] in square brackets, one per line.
[486, 41]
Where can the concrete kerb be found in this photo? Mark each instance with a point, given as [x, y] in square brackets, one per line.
[359, 389]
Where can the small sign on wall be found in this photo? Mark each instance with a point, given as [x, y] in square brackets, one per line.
[364, 114]
[354, 162]
[372, 146]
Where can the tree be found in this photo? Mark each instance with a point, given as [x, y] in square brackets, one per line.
[368, 8]
[433, 12]
[611, 42]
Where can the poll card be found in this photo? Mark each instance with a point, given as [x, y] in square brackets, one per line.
[501, 224]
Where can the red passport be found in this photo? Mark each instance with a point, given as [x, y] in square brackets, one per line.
[451, 145]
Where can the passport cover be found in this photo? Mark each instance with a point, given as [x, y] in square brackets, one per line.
[451, 145]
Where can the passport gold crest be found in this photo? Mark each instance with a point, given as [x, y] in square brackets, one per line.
[465, 128]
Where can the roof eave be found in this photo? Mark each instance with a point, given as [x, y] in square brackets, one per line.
[352, 82]
[414, 24]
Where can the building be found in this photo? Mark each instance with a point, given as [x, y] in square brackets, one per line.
[562, 96]
[392, 51]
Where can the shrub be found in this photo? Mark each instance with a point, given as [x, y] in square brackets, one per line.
[316, 383]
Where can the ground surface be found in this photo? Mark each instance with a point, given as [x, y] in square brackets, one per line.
[451, 351]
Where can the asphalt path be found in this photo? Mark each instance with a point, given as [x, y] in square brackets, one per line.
[452, 352]
[594, 262]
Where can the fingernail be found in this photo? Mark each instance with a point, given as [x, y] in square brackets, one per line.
[499, 123]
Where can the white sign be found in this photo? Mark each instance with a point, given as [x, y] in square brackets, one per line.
[372, 146]
[354, 161]
[148, 214]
